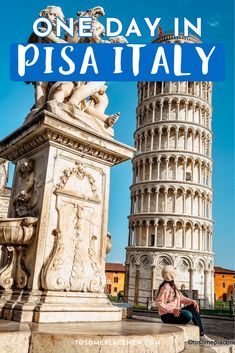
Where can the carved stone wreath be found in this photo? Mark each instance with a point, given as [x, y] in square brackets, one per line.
[81, 173]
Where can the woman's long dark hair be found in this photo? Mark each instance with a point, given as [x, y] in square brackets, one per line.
[171, 283]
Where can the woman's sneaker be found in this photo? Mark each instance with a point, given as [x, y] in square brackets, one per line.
[204, 339]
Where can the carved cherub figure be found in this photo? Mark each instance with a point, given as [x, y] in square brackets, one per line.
[98, 29]
[27, 198]
[52, 12]
[97, 105]
[42, 88]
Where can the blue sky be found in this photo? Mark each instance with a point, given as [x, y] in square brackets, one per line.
[217, 27]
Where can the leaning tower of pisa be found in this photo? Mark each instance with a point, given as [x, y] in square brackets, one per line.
[171, 194]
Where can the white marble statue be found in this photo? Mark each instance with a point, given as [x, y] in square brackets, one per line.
[72, 96]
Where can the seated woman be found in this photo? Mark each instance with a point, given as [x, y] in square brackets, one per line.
[173, 307]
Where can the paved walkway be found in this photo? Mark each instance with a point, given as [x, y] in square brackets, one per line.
[215, 328]
[218, 328]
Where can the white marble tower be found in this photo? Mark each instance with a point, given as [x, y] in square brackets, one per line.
[171, 195]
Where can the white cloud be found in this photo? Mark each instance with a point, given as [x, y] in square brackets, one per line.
[213, 21]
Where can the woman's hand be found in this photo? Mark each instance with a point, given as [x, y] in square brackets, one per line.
[196, 306]
[176, 312]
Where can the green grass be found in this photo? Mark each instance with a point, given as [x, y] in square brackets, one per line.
[222, 305]
[113, 298]
[215, 312]
[140, 306]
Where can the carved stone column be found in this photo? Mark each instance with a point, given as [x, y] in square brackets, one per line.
[140, 149]
[185, 140]
[178, 110]
[174, 234]
[194, 111]
[153, 280]
[176, 168]
[155, 88]
[175, 197]
[160, 138]
[130, 235]
[132, 203]
[153, 115]
[168, 139]
[156, 193]
[150, 168]
[192, 233]
[138, 164]
[161, 106]
[193, 139]
[184, 201]
[140, 234]
[147, 234]
[158, 168]
[62, 178]
[184, 236]
[126, 285]
[164, 235]
[169, 110]
[145, 141]
[192, 171]
[176, 138]
[191, 278]
[192, 199]
[206, 284]
[199, 174]
[144, 170]
[137, 277]
[186, 111]
[184, 177]
[142, 202]
[165, 201]
[167, 168]
[152, 139]
[199, 205]
[148, 200]
[155, 232]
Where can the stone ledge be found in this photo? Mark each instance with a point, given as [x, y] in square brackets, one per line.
[145, 336]
[14, 336]
[190, 331]
[49, 128]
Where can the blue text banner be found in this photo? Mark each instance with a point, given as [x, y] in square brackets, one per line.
[117, 62]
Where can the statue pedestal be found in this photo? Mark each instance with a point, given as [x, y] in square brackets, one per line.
[62, 180]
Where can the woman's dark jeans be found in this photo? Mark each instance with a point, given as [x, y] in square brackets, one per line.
[187, 314]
